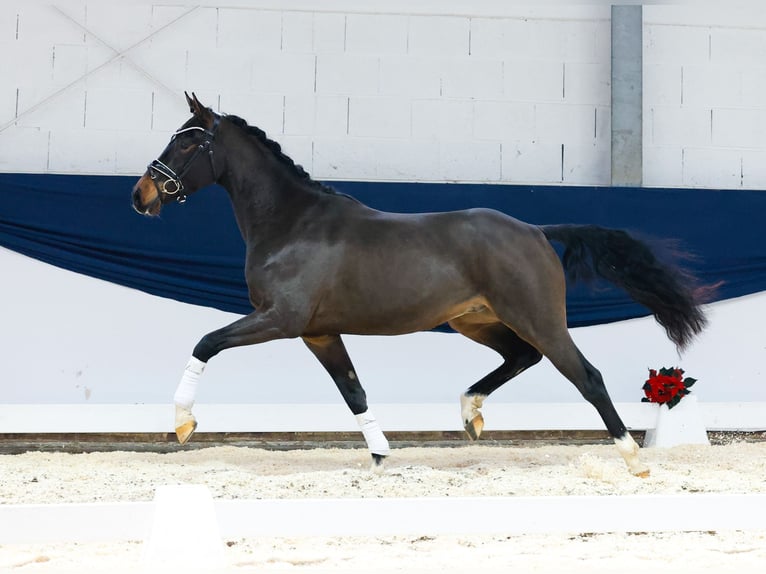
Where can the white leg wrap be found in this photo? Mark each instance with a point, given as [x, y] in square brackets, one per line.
[187, 388]
[376, 440]
[470, 405]
[628, 448]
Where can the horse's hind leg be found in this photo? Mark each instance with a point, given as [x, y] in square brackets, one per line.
[568, 359]
[331, 352]
[518, 355]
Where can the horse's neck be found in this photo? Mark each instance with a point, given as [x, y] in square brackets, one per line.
[264, 197]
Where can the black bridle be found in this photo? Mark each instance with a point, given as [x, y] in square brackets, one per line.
[175, 179]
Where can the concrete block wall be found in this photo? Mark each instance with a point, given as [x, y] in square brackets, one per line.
[398, 95]
[705, 96]
[438, 92]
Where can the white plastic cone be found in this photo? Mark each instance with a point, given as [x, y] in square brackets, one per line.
[185, 532]
[682, 424]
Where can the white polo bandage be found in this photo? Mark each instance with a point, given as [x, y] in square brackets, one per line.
[376, 440]
[187, 388]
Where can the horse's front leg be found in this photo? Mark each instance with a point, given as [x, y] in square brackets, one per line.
[331, 352]
[257, 327]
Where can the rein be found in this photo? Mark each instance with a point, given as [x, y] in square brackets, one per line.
[175, 179]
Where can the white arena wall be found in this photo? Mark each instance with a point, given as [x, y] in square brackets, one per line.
[440, 91]
[503, 93]
[85, 355]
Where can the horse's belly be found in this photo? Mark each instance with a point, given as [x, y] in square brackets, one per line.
[391, 317]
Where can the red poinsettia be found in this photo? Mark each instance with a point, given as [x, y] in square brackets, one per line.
[667, 387]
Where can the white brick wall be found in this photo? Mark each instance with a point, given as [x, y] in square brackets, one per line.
[704, 104]
[393, 94]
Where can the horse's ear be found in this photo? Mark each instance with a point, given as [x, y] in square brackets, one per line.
[189, 102]
[195, 106]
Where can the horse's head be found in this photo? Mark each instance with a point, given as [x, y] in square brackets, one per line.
[186, 165]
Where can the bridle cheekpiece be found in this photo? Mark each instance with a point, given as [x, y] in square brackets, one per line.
[173, 183]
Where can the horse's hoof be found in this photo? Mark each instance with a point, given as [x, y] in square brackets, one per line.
[186, 424]
[474, 427]
[642, 472]
[184, 432]
[377, 463]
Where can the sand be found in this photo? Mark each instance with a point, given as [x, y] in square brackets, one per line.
[471, 470]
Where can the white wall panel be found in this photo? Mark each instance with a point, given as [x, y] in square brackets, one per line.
[329, 33]
[493, 68]
[253, 31]
[587, 83]
[504, 38]
[83, 151]
[673, 44]
[474, 161]
[587, 164]
[298, 32]
[106, 109]
[331, 115]
[8, 22]
[376, 34]
[380, 117]
[714, 167]
[531, 161]
[443, 119]
[503, 121]
[742, 47]
[287, 74]
[69, 111]
[663, 166]
[678, 125]
[442, 37]
[711, 85]
[130, 149]
[119, 24]
[471, 77]
[41, 23]
[26, 151]
[8, 98]
[662, 84]
[525, 80]
[734, 128]
[93, 337]
[717, 119]
[300, 149]
[28, 64]
[347, 74]
[70, 62]
[345, 158]
[565, 123]
[403, 159]
[267, 111]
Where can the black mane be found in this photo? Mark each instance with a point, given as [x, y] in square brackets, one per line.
[284, 159]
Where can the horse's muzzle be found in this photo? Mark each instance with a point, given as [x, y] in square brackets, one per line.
[145, 198]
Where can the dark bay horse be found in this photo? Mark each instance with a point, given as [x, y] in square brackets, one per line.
[320, 264]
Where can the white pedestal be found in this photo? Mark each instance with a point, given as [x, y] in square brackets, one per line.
[185, 534]
[680, 425]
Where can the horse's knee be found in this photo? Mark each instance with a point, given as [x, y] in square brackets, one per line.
[207, 348]
[354, 395]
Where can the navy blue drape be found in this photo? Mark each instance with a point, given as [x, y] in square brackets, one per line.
[194, 252]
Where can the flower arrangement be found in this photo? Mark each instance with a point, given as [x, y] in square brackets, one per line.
[667, 387]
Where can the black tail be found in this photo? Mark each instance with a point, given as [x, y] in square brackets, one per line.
[669, 292]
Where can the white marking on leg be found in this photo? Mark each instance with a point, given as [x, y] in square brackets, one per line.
[470, 405]
[373, 435]
[187, 388]
[183, 416]
[628, 448]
